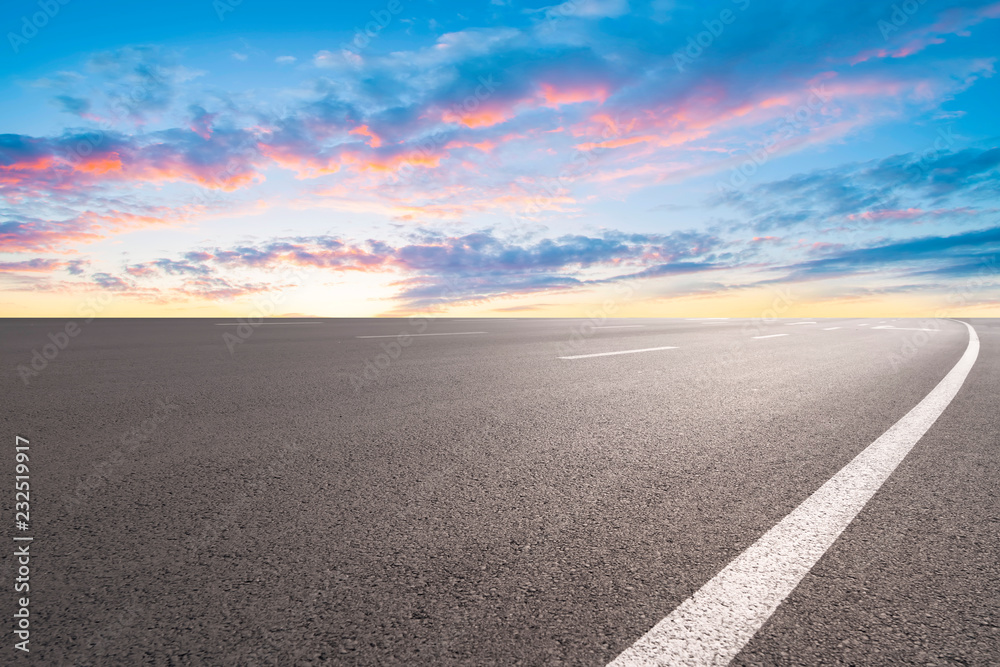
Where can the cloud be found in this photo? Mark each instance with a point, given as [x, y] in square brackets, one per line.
[878, 191]
[952, 21]
[217, 289]
[213, 159]
[37, 265]
[108, 217]
[74, 105]
[168, 267]
[484, 87]
[954, 255]
[33, 235]
[111, 283]
[552, 118]
[139, 81]
[439, 269]
[591, 9]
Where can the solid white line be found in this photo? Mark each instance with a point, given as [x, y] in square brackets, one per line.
[608, 354]
[904, 328]
[792, 324]
[448, 333]
[712, 626]
[623, 326]
[236, 324]
[769, 336]
[830, 328]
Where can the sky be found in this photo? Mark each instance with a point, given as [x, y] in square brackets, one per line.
[594, 158]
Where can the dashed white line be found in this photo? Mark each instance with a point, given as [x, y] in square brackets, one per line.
[792, 324]
[623, 326]
[447, 333]
[904, 328]
[695, 319]
[712, 626]
[608, 354]
[770, 336]
[830, 328]
[236, 324]
[865, 324]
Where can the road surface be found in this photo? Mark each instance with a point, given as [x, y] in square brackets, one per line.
[508, 492]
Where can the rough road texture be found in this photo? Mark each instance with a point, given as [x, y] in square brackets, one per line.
[480, 501]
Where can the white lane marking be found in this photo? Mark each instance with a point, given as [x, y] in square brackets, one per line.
[695, 319]
[448, 333]
[623, 326]
[712, 626]
[236, 324]
[608, 354]
[769, 336]
[864, 325]
[904, 328]
[792, 324]
[830, 328]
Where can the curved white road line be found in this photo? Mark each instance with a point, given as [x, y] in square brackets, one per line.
[712, 626]
[446, 333]
[611, 354]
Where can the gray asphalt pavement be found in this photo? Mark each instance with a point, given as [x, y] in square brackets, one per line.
[304, 492]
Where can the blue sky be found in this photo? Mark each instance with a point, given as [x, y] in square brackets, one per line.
[484, 158]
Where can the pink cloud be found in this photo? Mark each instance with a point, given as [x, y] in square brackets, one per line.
[955, 21]
[554, 97]
[373, 139]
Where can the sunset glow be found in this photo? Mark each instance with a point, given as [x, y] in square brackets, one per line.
[500, 159]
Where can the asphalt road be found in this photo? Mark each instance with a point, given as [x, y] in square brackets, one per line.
[308, 493]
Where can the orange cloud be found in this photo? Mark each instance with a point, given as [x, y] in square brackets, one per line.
[304, 166]
[374, 140]
[478, 118]
[553, 97]
[389, 163]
